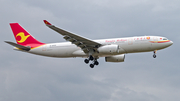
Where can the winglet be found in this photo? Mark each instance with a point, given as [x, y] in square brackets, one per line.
[47, 23]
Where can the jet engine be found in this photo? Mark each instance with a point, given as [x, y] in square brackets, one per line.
[115, 58]
[108, 49]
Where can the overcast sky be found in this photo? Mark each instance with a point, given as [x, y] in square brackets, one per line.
[27, 77]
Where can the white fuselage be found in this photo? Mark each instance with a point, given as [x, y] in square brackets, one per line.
[126, 45]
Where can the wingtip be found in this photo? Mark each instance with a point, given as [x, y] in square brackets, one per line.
[46, 22]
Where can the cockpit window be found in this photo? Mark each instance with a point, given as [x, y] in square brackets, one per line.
[165, 39]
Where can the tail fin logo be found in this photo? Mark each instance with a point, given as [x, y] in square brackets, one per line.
[23, 37]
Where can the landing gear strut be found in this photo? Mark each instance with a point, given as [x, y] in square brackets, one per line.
[154, 55]
[91, 58]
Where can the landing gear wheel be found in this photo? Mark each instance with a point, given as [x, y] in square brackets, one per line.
[92, 65]
[86, 61]
[154, 56]
[96, 63]
[91, 57]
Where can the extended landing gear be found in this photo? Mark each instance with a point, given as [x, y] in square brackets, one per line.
[91, 58]
[94, 63]
[154, 55]
[87, 60]
[91, 65]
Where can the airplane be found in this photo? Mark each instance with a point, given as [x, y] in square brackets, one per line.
[113, 49]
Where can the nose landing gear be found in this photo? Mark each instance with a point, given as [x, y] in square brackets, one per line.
[154, 55]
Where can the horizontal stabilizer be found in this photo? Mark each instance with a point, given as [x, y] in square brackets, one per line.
[26, 48]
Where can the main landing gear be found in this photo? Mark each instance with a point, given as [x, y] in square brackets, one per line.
[154, 55]
[91, 58]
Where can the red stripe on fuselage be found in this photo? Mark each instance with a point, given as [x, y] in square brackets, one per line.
[159, 41]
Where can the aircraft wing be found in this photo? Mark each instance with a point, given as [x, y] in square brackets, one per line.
[85, 44]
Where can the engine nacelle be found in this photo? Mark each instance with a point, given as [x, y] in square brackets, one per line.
[108, 49]
[115, 58]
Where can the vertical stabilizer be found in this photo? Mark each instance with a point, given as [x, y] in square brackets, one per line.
[23, 37]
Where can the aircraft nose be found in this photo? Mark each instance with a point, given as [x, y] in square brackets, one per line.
[171, 42]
